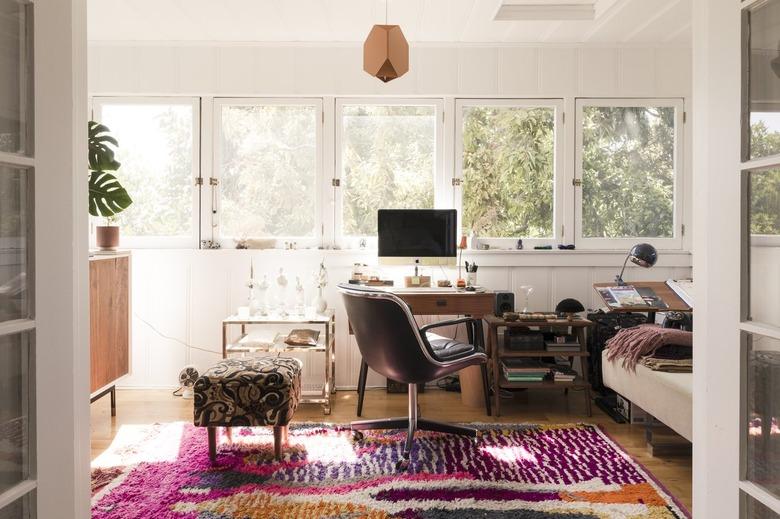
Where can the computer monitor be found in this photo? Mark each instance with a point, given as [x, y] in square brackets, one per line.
[417, 236]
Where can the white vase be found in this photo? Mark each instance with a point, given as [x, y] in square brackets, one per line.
[320, 305]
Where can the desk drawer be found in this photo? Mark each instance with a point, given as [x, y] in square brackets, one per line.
[450, 304]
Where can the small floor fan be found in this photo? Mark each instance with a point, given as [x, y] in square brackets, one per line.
[187, 377]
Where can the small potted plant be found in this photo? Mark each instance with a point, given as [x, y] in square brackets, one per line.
[107, 197]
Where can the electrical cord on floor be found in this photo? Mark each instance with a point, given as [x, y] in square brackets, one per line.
[174, 339]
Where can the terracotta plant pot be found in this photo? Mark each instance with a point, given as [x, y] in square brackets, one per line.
[107, 237]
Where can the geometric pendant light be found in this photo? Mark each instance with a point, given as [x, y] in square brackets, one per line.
[386, 52]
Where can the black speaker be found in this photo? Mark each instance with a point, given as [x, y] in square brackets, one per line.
[505, 302]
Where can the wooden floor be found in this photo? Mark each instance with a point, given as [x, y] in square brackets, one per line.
[143, 407]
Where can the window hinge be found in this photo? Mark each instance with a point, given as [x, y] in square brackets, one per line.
[323, 117]
[682, 229]
[685, 117]
[199, 181]
[576, 182]
[213, 181]
[336, 182]
[563, 117]
[442, 116]
[457, 182]
[562, 233]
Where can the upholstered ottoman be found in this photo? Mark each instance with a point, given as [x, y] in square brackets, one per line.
[248, 392]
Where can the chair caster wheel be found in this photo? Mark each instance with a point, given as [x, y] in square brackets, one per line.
[357, 436]
[402, 465]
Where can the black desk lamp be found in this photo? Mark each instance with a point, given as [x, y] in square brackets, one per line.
[642, 254]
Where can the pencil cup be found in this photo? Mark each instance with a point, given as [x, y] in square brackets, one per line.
[471, 279]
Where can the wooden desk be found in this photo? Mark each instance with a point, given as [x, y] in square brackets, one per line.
[497, 351]
[441, 302]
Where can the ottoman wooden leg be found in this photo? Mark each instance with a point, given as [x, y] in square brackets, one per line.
[229, 434]
[285, 437]
[212, 432]
[278, 434]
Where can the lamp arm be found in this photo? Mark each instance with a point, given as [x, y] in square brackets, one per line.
[619, 278]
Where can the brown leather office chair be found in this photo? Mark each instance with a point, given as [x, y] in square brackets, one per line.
[392, 345]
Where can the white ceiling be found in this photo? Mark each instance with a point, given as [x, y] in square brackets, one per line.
[449, 21]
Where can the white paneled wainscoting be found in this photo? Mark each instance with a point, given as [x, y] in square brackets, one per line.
[180, 296]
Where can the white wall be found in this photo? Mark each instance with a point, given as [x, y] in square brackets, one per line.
[185, 294]
[246, 69]
[181, 296]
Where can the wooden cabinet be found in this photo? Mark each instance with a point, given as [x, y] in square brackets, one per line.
[109, 314]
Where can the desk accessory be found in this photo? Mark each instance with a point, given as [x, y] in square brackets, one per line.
[543, 247]
[321, 281]
[461, 246]
[505, 302]
[471, 274]
[281, 283]
[569, 308]
[642, 254]
[566, 247]
[527, 290]
[302, 337]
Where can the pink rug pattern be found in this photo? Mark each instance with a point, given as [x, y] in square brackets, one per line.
[519, 471]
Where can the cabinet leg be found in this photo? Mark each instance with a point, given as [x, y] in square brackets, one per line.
[113, 400]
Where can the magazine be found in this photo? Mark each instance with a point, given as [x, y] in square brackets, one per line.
[627, 296]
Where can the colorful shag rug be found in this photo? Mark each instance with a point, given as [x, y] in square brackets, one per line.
[519, 471]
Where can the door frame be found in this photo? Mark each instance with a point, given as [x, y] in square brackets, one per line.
[61, 263]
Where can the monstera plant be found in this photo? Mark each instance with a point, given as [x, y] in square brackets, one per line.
[107, 197]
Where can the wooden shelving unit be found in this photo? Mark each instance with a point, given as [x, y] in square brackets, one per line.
[497, 351]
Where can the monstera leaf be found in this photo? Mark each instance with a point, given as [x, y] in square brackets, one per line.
[107, 197]
[101, 154]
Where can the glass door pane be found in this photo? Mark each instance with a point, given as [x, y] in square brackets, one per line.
[14, 221]
[763, 227]
[763, 89]
[15, 409]
[15, 83]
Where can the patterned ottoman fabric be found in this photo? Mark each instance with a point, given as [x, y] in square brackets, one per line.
[248, 392]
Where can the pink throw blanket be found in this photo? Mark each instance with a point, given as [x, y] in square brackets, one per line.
[631, 344]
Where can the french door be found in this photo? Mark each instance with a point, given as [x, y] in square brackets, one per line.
[17, 307]
[759, 479]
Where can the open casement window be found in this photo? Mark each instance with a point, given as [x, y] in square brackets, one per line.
[389, 155]
[509, 162]
[759, 476]
[159, 149]
[268, 165]
[629, 173]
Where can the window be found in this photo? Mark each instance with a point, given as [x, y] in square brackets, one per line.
[507, 157]
[628, 164]
[158, 149]
[389, 156]
[268, 161]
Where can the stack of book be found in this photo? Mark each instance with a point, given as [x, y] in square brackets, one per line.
[563, 373]
[570, 344]
[524, 370]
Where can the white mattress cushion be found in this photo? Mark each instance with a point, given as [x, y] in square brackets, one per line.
[666, 396]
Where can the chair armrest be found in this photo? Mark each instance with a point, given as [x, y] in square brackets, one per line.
[449, 322]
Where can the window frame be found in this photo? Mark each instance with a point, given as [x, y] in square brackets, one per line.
[676, 241]
[160, 242]
[211, 225]
[441, 200]
[559, 167]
